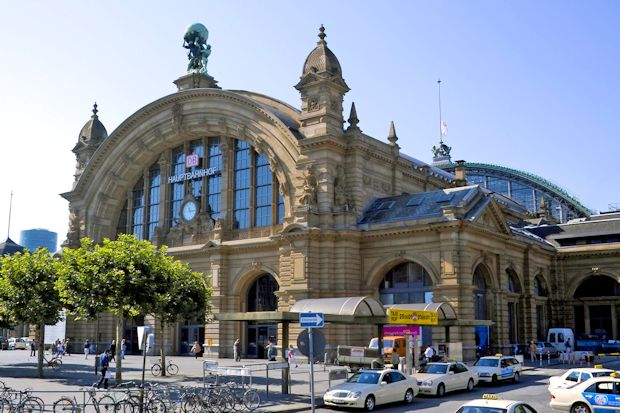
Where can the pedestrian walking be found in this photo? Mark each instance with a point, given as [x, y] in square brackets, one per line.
[237, 350]
[291, 357]
[196, 349]
[395, 358]
[112, 350]
[272, 351]
[123, 349]
[104, 361]
[533, 348]
[33, 347]
[568, 345]
[66, 348]
[86, 349]
[59, 348]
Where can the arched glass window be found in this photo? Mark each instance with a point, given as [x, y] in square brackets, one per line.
[480, 294]
[407, 283]
[598, 286]
[514, 286]
[196, 169]
[540, 287]
[261, 296]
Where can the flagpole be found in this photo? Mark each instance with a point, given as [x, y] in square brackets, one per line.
[440, 119]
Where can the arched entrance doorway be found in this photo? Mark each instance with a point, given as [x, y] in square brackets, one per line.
[481, 308]
[407, 283]
[596, 308]
[261, 297]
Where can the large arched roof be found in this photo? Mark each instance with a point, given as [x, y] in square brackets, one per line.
[531, 180]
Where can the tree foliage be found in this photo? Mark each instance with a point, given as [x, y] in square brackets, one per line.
[28, 293]
[129, 277]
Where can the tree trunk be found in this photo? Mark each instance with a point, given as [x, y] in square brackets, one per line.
[119, 327]
[40, 337]
[162, 353]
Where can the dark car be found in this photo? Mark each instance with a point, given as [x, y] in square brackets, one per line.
[4, 343]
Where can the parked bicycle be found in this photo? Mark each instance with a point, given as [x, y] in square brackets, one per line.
[104, 404]
[171, 368]
[55, 363]
[20, 401]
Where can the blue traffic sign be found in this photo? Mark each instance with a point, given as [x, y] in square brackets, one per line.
[311, 320]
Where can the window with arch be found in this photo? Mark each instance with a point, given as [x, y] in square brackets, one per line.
[198, 168]
[598, 286]
[406, 283]
[261, 296]
[514, 285]
[480, 294]
[540, 286]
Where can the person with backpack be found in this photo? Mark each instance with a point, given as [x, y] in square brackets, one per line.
[104, 363]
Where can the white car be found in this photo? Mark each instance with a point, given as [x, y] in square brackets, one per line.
[494, 368]
[368, 388]
[573, 376]
[16, 343]
[599, 394]
[439, 378]
[490, 403]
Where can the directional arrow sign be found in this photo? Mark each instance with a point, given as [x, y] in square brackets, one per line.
[311, 320]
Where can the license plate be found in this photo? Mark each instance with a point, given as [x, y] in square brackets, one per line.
[338, 401]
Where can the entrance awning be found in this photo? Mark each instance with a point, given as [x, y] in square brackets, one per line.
[359, 306]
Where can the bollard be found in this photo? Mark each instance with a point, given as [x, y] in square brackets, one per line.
[548, 358]
[96, 363]
[540, 360]
[267, 379]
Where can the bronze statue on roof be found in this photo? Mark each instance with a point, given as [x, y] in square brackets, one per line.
[195, 40]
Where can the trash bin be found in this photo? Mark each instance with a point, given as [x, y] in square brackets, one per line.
[96, 363]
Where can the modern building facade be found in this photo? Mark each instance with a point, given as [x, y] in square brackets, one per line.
[277, 204]
[39, 238]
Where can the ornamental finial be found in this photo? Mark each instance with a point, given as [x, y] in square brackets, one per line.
[322, 34]
[95, 110]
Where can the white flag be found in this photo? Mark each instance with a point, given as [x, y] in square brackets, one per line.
[444, 128]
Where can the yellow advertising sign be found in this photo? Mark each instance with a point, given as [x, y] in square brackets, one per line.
[416, 317]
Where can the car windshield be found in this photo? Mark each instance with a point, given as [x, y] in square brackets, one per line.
[366, 377]
[374, 343]
[476, 409]
[486, 363]
[434, 369]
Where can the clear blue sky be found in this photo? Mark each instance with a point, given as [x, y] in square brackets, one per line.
[526, 84]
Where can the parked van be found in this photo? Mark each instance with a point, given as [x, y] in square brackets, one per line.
[390, 343]
[558, 336]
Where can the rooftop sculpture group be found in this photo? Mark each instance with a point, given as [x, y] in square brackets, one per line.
[195, 40]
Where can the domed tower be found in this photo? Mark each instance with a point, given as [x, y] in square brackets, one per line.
[93, 133]
[322, 91]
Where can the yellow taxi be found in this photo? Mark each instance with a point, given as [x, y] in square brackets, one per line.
[491, 403]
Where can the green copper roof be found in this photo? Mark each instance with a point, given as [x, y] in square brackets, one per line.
[551, 187]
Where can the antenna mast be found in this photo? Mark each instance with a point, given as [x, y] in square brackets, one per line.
[8, 231]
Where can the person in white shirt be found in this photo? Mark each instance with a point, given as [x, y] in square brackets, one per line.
[429, 352]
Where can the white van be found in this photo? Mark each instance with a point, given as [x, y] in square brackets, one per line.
[558, 336]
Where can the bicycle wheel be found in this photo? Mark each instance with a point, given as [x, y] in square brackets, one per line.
[156, 405]
[155, 369]
[173, 369]
[190, 403]
[251, 400]
[124, 406]
[5, 405]
[65, 405]
[55, 364]
[106, 404]
[32, 405]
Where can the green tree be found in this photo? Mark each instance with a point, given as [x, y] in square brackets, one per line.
[28, 293]
[185, 297]
[127, 277]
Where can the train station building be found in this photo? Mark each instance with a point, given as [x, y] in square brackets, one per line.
[280, 202]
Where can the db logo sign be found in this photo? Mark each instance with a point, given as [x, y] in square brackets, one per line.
[192, 160]
[600, 399]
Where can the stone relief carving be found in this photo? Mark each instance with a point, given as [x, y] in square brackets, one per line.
[177, 117]
[75, 229]
[313, 105]
[340, 189]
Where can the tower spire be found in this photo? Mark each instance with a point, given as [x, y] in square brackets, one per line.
[353, 120]
[8, 231]
[392, 135]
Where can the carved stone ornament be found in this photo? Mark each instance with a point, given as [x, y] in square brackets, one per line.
[75, 229]
[309, 188]
[313, 105]
[177, 117]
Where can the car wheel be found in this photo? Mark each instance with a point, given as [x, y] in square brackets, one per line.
[579, 408]
[494, 379]
[470, 385]
[441, 389]
[516, 377]
[369, 404]
[409, 396]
